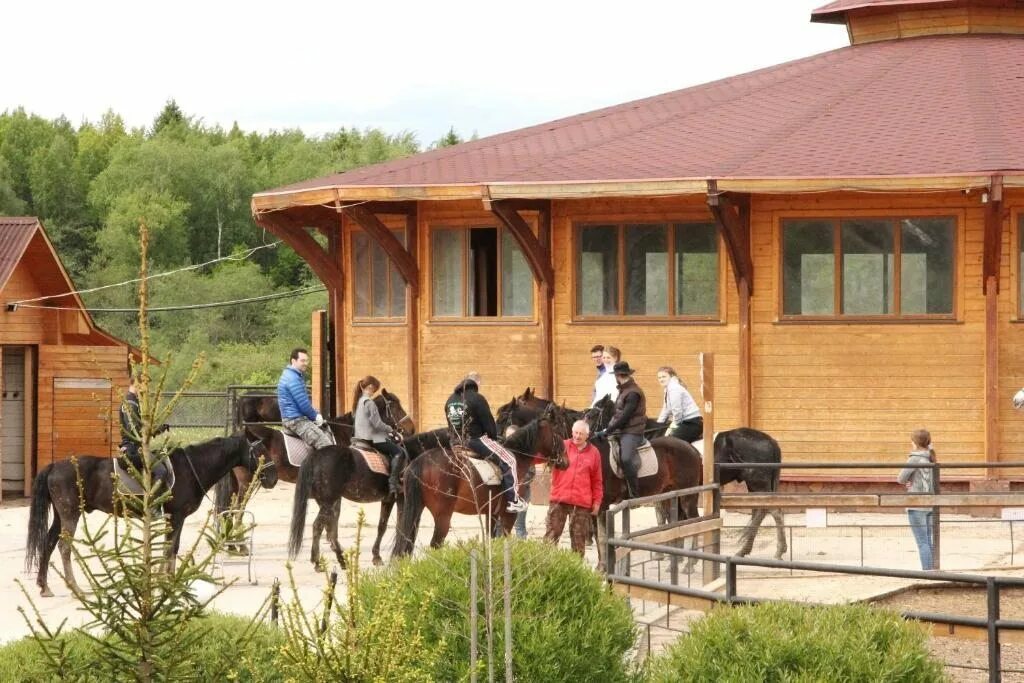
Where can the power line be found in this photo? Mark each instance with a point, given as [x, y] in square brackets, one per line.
[234, 257]
[186, 307]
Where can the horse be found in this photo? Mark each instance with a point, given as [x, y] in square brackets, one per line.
[746, 445]
[444, 482]
[196, 469]
[391, 412]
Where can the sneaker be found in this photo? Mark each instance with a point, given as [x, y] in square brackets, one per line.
[518, 505]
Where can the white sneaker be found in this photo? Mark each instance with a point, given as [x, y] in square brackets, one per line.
[519, 505]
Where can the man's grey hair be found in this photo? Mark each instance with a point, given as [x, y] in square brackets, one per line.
[581, 423]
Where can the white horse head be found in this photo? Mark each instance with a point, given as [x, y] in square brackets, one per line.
[1018, 399]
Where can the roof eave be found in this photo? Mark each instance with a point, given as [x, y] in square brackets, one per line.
[264, 202]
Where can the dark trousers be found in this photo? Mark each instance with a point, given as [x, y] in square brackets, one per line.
[132, 453]
[395, 455]
[507, 482]
[688, 431]
[630, 460]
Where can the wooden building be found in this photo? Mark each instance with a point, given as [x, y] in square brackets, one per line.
[844, 232]
[61, 374]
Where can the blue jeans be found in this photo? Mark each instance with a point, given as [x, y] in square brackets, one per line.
[921, 526]
[520, 525]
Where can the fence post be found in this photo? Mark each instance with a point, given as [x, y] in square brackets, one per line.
[730, 580]
[609, 549]
[625, 534]
[712, 540]
[472, 617]
[994, 665]
[936, 521]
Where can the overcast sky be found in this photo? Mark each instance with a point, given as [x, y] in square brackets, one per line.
[417, 66]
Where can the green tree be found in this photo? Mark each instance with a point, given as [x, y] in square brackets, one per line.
[10, 204]
[170, 116]
[449, 139]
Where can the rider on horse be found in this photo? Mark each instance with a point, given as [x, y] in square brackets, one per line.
[297, 412]
[469, 421]
[131, 433]
[630, 420]
[370, 428]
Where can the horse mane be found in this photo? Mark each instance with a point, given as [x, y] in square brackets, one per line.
[524, 438]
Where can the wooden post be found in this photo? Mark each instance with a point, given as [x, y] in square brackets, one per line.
[991, 259]
[412, 313]
[743, 289]
[335, 325]
[712, 539]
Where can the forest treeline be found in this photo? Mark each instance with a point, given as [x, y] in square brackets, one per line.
[191, 183]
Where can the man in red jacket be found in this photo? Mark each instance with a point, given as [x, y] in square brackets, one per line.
[576, 491]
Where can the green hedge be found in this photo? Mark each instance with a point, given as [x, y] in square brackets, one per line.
[567, 625]
[791, 642]
[255, 662]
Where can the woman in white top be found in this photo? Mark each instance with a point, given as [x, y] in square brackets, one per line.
[606, 384]
[679, 409]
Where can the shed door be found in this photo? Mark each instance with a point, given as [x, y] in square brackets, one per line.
[12, 446]
[81, 417]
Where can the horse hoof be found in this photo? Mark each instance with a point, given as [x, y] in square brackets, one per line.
[377, 562]
[319, 568]
[45, 592]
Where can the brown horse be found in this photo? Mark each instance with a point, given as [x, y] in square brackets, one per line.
[391, 412]
[445, 482]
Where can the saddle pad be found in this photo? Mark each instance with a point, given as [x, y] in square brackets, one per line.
[374, 460]
[489, 473]
[129, 483]
[298, 450]
[648, 459]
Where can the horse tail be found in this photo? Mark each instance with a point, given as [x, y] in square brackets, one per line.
[412, 510]
[38, 519]
[303, 490]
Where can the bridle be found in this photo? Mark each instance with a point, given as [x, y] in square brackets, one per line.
[390, 414]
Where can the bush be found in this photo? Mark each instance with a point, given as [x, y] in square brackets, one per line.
[791, 642]
[255, 662]
[567, 625]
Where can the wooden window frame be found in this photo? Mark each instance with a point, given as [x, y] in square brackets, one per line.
[837, 217]
[464, 226]
[620, 224]
[371, 319]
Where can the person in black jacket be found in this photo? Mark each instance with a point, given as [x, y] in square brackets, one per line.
[131, 433]
[629, 422]
[472, 424]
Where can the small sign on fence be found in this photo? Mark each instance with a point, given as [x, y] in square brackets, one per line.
[816, 518]
[1013, 514]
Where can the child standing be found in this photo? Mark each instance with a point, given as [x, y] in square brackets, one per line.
[920, 480]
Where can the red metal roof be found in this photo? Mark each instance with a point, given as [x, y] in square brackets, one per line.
[934, 106]
[15, 234]
[835, 12]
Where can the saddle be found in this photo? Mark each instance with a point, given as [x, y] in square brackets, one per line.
[489, 473]
[648, 459]
[129, 484]
[297, 449]
[375, 460]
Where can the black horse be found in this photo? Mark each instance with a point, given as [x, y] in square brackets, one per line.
[744, 445]
[196, 469]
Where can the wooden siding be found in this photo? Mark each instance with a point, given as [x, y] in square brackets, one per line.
[26, 325]
[878, 25]
[854, 391]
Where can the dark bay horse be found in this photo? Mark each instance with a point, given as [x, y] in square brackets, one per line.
[445, 482]
[391, 411]
[196, 469]
[744, 445]
[335, 473]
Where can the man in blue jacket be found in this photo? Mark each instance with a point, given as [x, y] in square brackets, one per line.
[297, 412]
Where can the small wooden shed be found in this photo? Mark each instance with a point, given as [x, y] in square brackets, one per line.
[845, 232]
[61, 373]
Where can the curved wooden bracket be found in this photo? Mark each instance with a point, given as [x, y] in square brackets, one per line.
[994, 216]
[292, 233]
[380, 233]
[732, 213]
[536, 250]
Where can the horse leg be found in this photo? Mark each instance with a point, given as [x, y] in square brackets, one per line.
[318, 529]
[68, 528]
[332, 533]
[442, 523]
[780, 533]
[382, 527]
[750, 531]
[177, 523]
[52, 537]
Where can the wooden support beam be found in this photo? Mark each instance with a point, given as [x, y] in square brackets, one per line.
[537, 250]
[991, 258]
[732, 214]
[412, 313]
[295, 236]
[395, 250]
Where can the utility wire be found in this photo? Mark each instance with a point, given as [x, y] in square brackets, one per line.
[234, 257]
[187, 307]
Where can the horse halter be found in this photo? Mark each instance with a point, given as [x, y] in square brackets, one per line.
[387, 411]
[254, 457]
